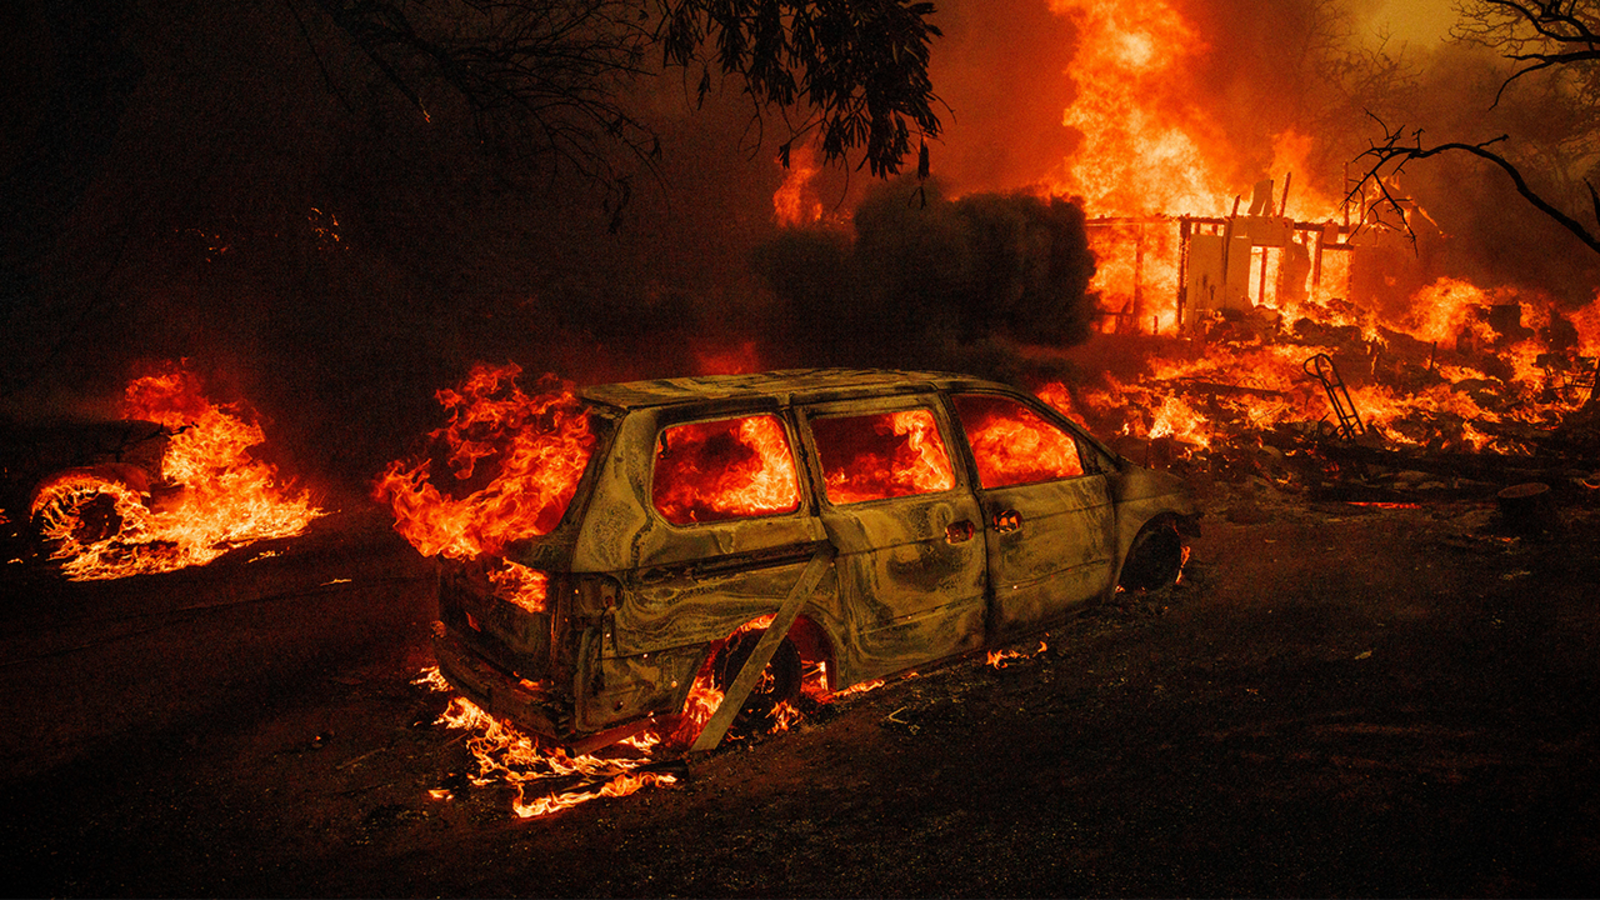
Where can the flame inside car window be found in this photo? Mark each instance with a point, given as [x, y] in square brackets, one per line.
[882, 455]
[1012, 445]
[727, 469]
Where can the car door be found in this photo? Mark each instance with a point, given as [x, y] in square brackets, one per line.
[1048, 520]
[911, 569]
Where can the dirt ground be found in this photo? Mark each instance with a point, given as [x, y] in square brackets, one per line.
[1339, 700]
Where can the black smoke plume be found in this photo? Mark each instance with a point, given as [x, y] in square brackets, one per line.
[926, 281]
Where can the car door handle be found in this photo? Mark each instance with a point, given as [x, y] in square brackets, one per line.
[959, 531]
[1007, 521]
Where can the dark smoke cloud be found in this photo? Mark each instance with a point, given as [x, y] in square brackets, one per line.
[933, 282]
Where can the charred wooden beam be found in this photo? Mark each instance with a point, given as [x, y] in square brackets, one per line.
[1490, 467]
[1211, 387]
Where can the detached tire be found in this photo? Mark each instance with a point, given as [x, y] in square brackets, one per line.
[779, 683]
[1155, 560]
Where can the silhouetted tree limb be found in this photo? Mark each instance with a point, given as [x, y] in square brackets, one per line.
[544, 78]
[860, 66]
[1385, 160]
[1534, 35]
[1558, 37]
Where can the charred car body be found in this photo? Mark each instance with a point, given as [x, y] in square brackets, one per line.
[884, 520]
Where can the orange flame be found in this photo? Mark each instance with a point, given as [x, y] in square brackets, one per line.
[1149, 152]
[1012, 445]
[520, 585]
[212, 496]
[1445, 374]
[1000, 659]
[530, 451]
[903, 455]
[795, 203]
[504, 754]
[708, 471]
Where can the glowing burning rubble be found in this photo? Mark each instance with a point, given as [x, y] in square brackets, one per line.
[506, 756]
[1220, 300]
[209, 496]
[1475, 374]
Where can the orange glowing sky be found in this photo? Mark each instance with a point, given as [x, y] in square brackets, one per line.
[1422, 23]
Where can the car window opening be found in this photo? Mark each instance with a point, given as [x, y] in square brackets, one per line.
[1012, 445]
[882, 455]
[726, 469]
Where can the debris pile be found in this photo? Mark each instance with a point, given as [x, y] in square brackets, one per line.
[1474, 400]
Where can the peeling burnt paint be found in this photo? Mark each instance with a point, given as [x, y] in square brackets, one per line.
[638, 604]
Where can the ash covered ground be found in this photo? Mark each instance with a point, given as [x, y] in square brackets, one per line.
[1340, 699]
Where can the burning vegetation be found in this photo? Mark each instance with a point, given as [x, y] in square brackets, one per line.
[208, 495]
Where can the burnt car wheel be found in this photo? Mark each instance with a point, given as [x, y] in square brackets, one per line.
[778, 684]
[1155, 560]
[88, 505]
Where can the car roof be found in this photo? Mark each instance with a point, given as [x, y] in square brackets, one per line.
[789, 386]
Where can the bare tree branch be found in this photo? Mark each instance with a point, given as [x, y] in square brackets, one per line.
[1389, 158]
[1560, 38]
[543, 79]
[1537, 35]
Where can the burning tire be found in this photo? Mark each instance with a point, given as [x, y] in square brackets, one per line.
[778, 685]
[90, 505]
[1156, 558]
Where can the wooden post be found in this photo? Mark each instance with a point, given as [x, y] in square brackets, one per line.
[750, 673]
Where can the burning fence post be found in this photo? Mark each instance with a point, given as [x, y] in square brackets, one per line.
[1526, 508]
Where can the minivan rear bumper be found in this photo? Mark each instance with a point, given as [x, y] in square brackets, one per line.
[500, 694]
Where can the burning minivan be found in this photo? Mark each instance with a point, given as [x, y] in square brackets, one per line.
[747, 529]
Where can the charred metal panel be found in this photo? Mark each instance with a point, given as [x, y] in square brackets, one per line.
[897, 558]
[793, 385]
[500, 692]
[623, 532]
[911, 573]
[908, 642]
[624, 688]
[1145, 494]
[671, 607]
[1051, 545]
[506, 635]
